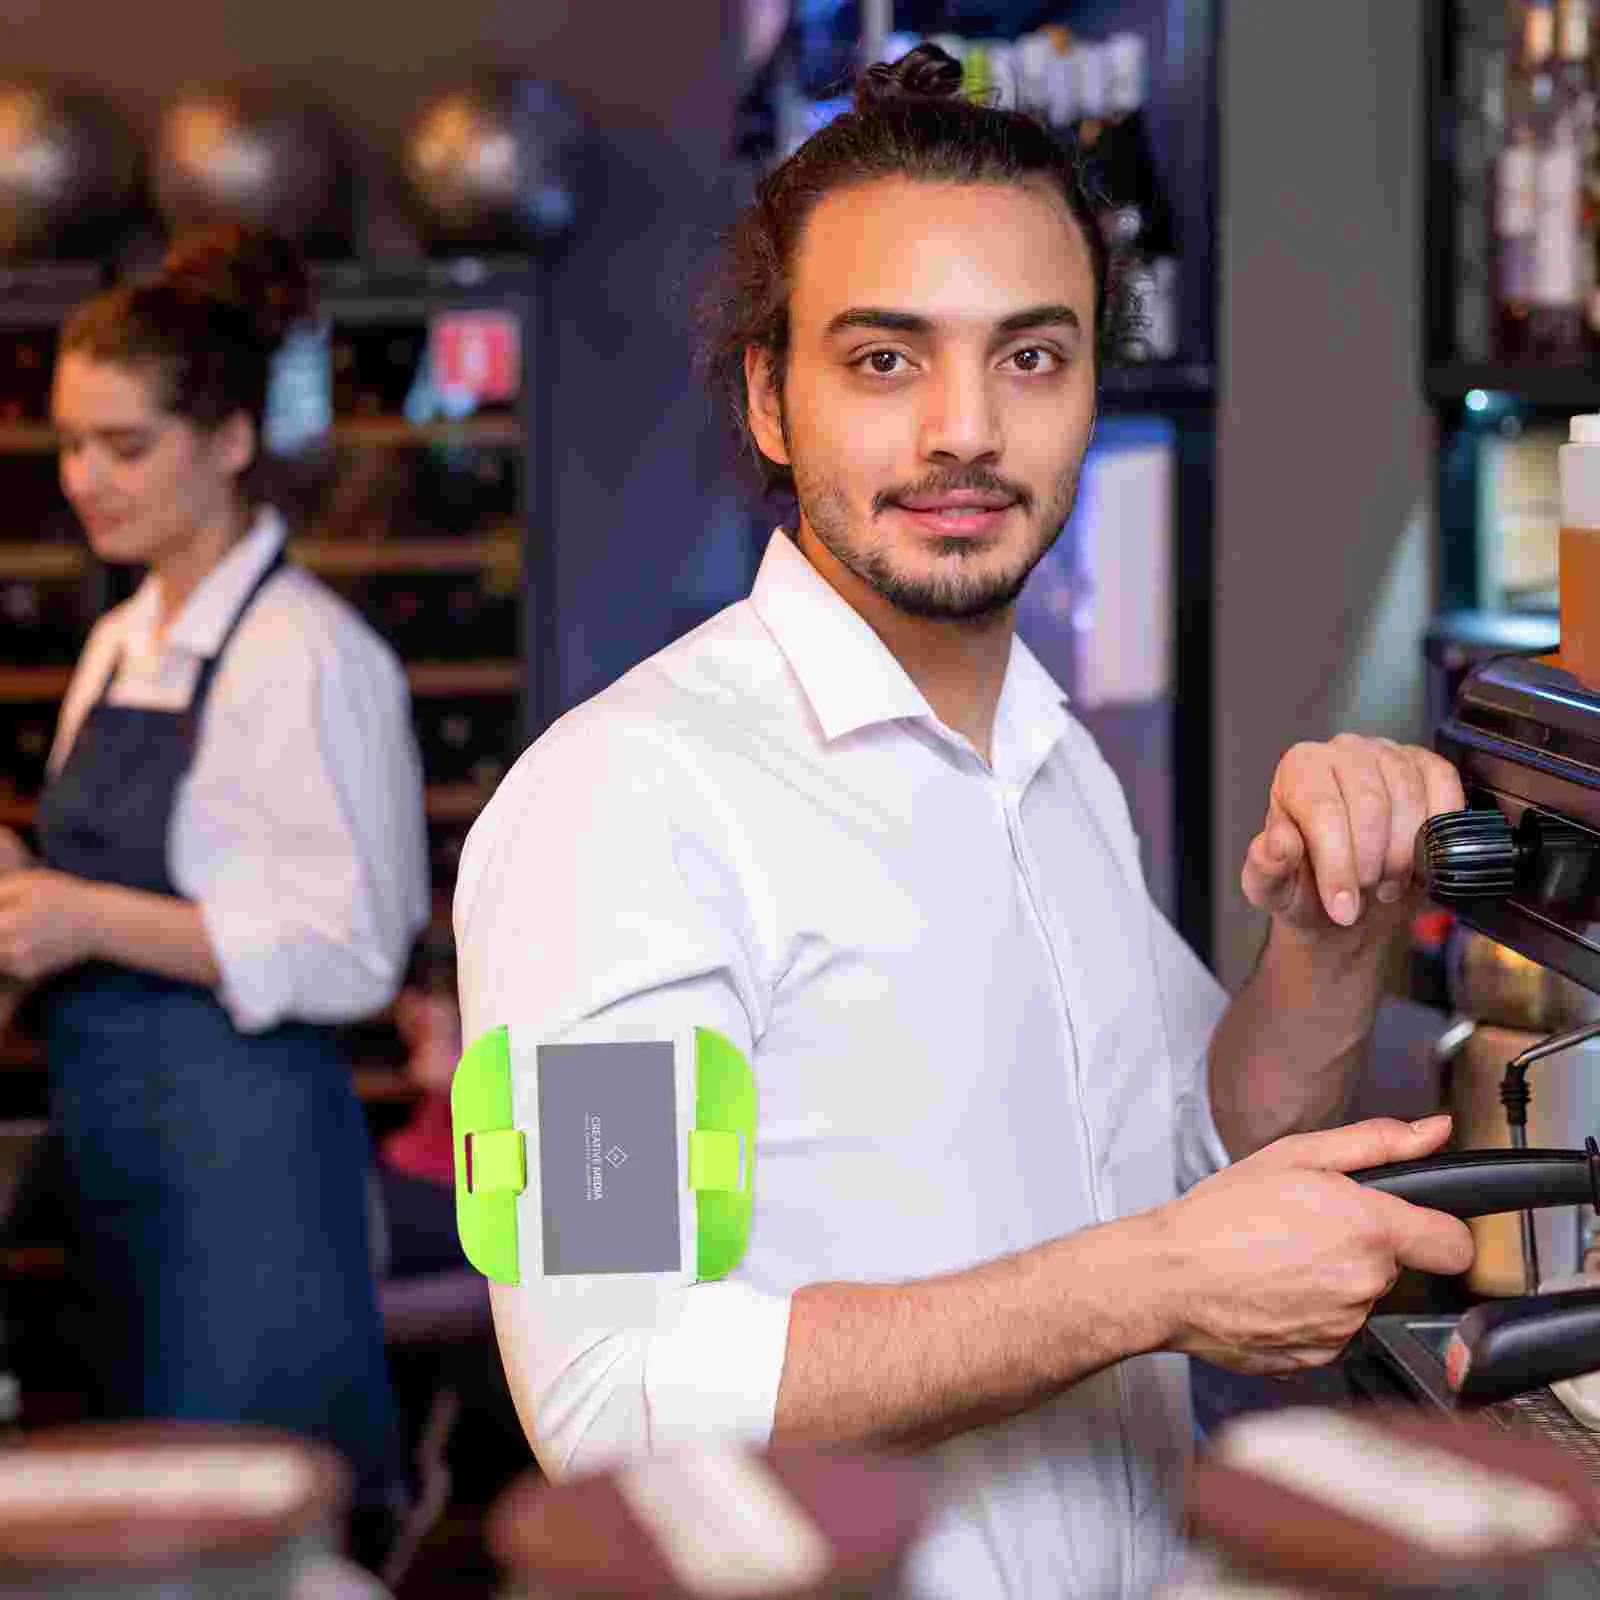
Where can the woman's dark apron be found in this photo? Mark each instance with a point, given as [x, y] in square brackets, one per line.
[218, 1179]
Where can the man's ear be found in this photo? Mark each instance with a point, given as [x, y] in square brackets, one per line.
[764, 404]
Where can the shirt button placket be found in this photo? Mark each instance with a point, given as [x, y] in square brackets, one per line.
[1011, 804]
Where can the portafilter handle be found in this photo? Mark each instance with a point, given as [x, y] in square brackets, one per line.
[1508, 1348]
[1512, 1346]
[1479, 1183]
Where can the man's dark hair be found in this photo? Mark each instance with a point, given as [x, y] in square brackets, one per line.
[910, 120]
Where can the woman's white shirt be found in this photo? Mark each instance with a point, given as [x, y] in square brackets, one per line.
[299, 829]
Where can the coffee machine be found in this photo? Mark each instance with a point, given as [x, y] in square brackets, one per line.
[1520, 865]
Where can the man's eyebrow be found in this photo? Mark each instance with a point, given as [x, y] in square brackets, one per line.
[888, 321]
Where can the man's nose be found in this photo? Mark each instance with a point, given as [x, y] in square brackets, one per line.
[962, 419]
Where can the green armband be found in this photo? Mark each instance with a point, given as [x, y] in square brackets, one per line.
[603, 1154]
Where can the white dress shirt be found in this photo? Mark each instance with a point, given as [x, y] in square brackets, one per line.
[970, 1027]
[299, 828]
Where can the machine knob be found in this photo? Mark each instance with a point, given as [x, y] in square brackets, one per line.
[1468, 855]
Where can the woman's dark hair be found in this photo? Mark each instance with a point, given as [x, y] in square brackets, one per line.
[910, 120]
[206, 327]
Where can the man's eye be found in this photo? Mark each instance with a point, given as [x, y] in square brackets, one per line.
[130, 452]
[873, 356]
[1040, 358]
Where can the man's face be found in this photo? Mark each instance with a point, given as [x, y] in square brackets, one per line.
[940, 390]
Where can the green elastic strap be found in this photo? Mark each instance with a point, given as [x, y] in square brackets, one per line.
[725, 1129]
[491, 1155]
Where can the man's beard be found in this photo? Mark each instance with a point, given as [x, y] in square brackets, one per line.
[959, 591]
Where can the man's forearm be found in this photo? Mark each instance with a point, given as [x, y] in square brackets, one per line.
[1285, 1056]
[902, 1366]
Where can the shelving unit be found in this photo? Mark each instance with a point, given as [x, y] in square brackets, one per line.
[25, 438]
[1477, 401]
[426, 525]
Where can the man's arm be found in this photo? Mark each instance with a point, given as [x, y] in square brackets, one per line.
[897, 1366]
[1285, 1056]
[1333, 866]
[1269, 1266]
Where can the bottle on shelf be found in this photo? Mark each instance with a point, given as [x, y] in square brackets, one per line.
[11, 1432]
[1087, 74]
[43, 621]
[27, 729]
[374, 368]
[28, 365]
[1541, 276]
[1137, 219]
[1579, 469]
[1564, 266]
[1516, 206]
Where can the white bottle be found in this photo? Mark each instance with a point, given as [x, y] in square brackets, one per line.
[1123, 57]
[1579, 468]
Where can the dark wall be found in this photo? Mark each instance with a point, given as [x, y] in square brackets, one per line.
[645, 525]
[1324, 521]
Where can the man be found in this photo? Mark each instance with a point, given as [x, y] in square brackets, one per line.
[850, 824]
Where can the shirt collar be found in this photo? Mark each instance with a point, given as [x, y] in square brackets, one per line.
[846, 671]
[203, 621]
[1031, 716]
[852, 679]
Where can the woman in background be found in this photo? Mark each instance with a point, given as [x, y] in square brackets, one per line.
[233, 862]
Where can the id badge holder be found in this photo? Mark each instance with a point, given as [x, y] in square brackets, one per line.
[608, 1158]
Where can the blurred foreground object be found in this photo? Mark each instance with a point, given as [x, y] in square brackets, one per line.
[68, 172]
[169, 1509]
[259, 159]
[784, 1522]
[496, 164]
[1312, 1502]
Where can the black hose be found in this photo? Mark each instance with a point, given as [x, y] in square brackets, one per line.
[1514, 1096]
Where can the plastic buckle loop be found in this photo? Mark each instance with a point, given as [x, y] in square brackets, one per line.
[497, 1162]
[716, 1159]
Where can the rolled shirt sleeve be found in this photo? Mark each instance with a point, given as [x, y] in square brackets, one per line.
[583, 896]
[300, 830]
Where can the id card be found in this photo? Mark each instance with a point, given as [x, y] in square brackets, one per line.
[609, 1170]
[607, 1154]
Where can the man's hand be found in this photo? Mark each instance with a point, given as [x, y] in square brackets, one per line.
[46, 923]
[1342, 823]
[14, 854]
[1273, 1264]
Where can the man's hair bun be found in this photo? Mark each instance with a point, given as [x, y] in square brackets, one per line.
[926, 73]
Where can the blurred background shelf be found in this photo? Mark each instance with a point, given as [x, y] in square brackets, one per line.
[444, 802]
[1157, 386]
[425, 678]
[1575, 388]
[351, 556]
[375, 433]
